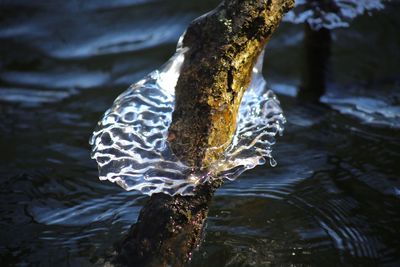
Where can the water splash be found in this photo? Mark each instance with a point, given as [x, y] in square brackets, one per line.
[130, 143]
[330, 14]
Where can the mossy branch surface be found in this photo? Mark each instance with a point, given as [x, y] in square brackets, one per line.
[223, 47]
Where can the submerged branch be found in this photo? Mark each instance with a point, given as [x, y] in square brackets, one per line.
[168, 229]
[317, 49]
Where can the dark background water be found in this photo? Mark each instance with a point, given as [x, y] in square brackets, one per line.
[333, 199]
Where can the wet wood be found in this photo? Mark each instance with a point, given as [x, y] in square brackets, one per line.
[168, 229]
[223, 48]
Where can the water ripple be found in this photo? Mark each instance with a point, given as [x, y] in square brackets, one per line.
[115, 207]
[330, 14]
[339, 220]
[33, 98]
[369, 110]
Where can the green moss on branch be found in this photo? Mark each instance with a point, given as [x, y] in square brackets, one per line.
[223, 48]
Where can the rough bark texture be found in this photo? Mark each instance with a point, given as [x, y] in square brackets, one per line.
[167, 231]
[223, 47]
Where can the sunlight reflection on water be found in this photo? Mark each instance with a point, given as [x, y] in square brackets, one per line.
[330, 14]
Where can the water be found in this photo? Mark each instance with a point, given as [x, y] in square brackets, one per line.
[331, 14]
[332, 200]
[130, 143]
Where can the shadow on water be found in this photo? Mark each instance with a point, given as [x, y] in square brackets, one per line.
[332, 200]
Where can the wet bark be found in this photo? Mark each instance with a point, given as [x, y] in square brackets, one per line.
[223, 48]
[168, 229]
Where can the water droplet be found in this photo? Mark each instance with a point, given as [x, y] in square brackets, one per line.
[272, 162]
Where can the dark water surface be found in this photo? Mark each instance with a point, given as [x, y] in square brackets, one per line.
[332, 200]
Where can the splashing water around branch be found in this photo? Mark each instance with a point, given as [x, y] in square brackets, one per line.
[130, 143]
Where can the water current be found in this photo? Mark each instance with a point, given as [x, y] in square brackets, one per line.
[332, 199]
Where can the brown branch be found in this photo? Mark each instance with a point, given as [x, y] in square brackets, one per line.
[223, 48]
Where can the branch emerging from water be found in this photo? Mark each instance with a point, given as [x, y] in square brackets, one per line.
[223, 48]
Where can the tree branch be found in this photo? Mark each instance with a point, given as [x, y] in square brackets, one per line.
[223, 48]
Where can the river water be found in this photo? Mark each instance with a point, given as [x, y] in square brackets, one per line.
[332, 200]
